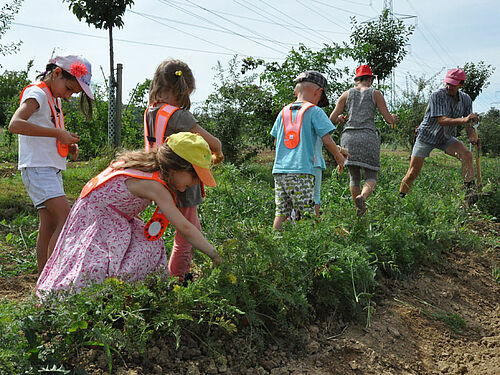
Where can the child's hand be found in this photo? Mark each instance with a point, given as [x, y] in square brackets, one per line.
[216, 259]
[345, 153]
[340, 161]
[395, 117]
[67, 138]
[341, 119]
[217, 158]
[73, 151]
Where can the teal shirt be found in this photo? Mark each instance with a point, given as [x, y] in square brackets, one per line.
[315, 124]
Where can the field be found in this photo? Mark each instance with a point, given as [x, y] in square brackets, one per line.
[410, 288]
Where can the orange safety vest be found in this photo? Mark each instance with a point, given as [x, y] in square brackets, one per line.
[160, 126]
[57, 113]
[158, 223]
[292, 128]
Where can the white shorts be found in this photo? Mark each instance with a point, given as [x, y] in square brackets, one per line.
[42, 184]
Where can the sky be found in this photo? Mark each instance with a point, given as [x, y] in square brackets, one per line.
[448, 33]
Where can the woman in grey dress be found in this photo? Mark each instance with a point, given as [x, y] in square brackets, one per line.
[360, 135]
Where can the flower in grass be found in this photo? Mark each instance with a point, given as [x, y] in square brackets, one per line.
[232, 278]
[78, 69]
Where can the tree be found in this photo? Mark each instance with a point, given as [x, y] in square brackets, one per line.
[278, 77]
[381, 43]
[476, 78]
[103, 14]
[7, 13]
[11, 85]
[238, 113]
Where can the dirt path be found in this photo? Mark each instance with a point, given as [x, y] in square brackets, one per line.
[445, 319]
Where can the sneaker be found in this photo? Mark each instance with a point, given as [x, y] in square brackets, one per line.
[360, 202]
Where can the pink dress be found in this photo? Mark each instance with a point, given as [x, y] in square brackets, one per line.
[102, 237]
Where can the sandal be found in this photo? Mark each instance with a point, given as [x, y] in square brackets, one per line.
[360, 202]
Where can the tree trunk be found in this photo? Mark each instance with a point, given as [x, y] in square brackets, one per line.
[111, 96]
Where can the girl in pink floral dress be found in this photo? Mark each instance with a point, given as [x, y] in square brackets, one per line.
[103, 237]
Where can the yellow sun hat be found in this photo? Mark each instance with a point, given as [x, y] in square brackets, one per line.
[194, 149]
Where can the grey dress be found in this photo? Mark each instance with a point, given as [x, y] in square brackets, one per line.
[360, 136]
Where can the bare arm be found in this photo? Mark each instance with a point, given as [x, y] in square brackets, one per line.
[448, 121]
[19, 124]
[213, 142]
[331, 146]
[339, 108]
[155, 191]
[382, 107]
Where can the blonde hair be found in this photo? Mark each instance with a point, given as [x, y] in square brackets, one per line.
[174, 76]
[163, 159]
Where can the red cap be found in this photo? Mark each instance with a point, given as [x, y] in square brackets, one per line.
[363, 70]
[454, 76]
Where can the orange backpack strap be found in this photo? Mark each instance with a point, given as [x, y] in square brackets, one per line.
[160, 126]
[57, 113]
[292, 128]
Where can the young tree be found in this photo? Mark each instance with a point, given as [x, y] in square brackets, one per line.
[278, 77]
[103, 14]
[381, 43]
[477, 78]
[7, 13]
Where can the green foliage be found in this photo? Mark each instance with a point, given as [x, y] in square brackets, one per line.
[489, 131]
[238, 113]
[103, 14]
[269, 283]
[7, 13]
[476, 78]
[11, 85]
[279, 76]
[381, 43]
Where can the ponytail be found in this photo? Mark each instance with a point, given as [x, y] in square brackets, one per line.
[174, 76]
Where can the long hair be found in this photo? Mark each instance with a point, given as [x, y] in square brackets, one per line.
[85, 101]
[174, 76]
[162, 159]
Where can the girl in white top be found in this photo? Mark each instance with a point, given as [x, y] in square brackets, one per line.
[44, 143]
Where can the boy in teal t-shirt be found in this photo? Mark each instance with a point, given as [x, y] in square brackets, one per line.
[295, 130]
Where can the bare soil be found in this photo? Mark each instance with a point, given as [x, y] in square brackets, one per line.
[444, 319]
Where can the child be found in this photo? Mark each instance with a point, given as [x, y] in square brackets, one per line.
[168, 113]
[360, 135]
[103, 237]
[295, 131]
[44, 143]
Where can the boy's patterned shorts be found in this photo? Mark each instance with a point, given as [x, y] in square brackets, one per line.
[294, 191]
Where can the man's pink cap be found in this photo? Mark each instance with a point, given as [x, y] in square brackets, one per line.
[79, 67]
[454, 76]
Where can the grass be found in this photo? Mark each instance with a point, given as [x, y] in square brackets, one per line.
[268, 284]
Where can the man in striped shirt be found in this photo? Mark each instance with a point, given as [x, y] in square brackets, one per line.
[448, 108]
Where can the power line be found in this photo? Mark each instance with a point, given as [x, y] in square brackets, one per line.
[342, 10]
[219, 30]
[431, 33]
[280, 12]
[225, 28]
[185, 32]
[268, 21]
[252, 9]
[136, 42]
[321, 15]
